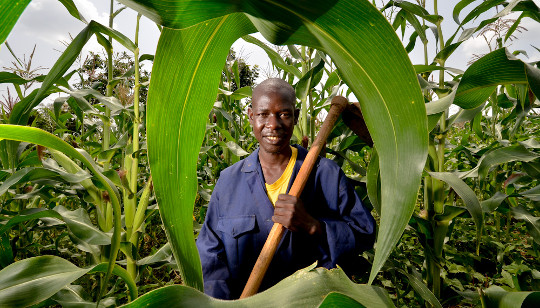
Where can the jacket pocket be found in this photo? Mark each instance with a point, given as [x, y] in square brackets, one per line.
[237, 225]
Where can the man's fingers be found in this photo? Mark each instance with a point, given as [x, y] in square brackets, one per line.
[284, 222]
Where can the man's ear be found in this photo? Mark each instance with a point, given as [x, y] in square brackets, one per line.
[296, 115]
[250, 114]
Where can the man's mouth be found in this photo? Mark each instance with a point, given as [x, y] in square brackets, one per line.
[273, 139]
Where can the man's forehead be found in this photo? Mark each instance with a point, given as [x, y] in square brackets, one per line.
[271, 96]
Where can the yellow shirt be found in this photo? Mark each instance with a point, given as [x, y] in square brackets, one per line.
[280, 186]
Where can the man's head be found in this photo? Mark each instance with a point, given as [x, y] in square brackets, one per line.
[273, 115]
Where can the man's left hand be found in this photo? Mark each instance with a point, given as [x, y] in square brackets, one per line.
[291, 213]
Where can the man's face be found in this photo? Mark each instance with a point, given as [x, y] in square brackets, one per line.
[272, 117]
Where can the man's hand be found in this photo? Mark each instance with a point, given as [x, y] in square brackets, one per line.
[290, 212]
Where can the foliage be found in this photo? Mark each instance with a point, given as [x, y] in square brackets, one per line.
[471, 237]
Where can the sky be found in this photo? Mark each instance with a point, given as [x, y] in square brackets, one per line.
[47, 25]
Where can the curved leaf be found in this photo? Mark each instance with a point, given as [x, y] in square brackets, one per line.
[467, 195]
[8, 77]
[481, 8]
[186, 71]
[120, 272]
[38, 136]
[30, 174]
[460, 6]
[496, 296]
[493, 203]
[33, 280]
[27, 215]
[9, 14]
[71, 296]
[533, 193]
[306, 288]
[64, 62]
[496, 68]
[438, 106]
[500, 156]
[79, 224]
[373, 181]
[70, 6]
[532, 222]
[186, 89]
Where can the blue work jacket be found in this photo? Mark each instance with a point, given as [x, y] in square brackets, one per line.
[239, 219]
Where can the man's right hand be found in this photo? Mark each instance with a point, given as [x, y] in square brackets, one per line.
[291, 213]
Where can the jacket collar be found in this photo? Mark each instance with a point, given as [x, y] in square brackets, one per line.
[251, 162]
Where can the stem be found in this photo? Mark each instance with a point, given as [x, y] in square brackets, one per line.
[130, 202]
[107, 123]
[312, 118]
[303, 99]
[439, 230]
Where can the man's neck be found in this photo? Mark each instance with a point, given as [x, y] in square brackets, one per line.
[273, 164]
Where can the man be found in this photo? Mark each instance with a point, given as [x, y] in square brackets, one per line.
[327, 224]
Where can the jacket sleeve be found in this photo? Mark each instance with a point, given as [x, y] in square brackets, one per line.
[351, 229]
[212, 252]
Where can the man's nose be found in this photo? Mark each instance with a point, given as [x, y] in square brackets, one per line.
[273, 122]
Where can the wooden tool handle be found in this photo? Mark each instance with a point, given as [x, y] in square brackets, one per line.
[339, 103]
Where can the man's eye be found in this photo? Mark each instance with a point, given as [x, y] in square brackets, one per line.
[286, 115]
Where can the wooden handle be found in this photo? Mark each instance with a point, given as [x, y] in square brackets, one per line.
[339, 103]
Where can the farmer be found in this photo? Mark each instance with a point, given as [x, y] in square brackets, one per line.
[327, 224]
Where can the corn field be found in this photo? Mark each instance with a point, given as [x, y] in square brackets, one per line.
[103, 191]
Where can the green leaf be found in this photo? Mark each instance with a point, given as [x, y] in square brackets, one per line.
[309, 80]
[71, 296]
[33, 280]
[7, 77]
[532, 169]
[37, 136]
[496, 296]
[30, 174]
[493, 203]
[467, 195]
[65, 61]
[496, 68]
[373, 181]
[72, 9]
[120, 272]
[438, 106]
[295, 53]
[79, 223]
[460, 6]
[190, 96]
[415, 9]
[307, 287]
[163, 255]
[419, 69]
[110, 101]
[500, 156]
[420, 287]
[532, 222]
[6, 252]
[29, 214]
[484, 6]
[186, 73]
[9, 14]
[238, 94]
[234, 147]
[339, 300]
